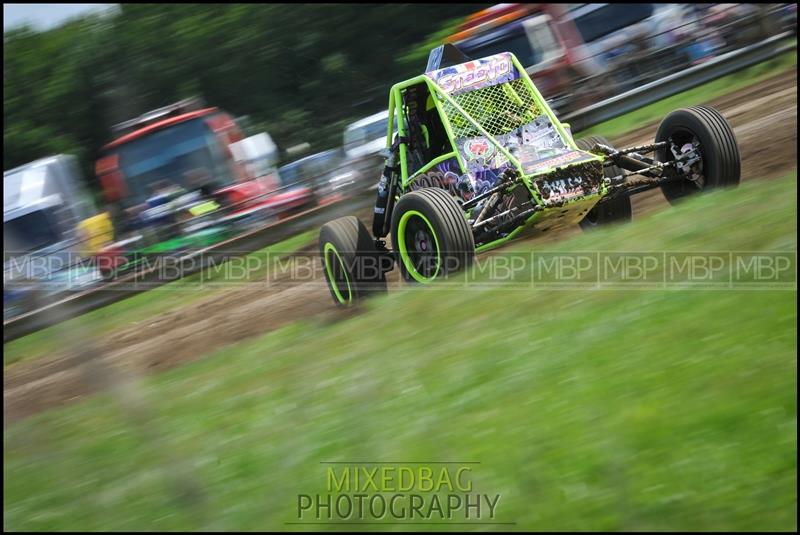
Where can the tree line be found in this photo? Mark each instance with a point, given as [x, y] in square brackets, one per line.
[301, 72]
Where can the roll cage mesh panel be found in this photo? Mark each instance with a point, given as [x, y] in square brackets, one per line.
[498, 109]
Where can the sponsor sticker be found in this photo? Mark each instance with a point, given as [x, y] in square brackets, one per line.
[478, 148]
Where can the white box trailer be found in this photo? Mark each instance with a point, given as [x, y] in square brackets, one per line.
[43, 204]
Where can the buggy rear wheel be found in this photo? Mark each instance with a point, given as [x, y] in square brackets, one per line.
[702, 136]
[353, 267]
[431, 234]
[615, 209]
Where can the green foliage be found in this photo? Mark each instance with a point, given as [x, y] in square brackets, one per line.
[302, 72]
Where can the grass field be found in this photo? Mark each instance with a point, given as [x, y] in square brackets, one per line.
[656, 111]
[655, 409]
[145, 305]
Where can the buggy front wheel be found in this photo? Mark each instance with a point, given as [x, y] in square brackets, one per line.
[353, 267]
[431, 235]
[703, 141]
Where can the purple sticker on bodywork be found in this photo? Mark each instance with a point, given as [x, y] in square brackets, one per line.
[445, 175]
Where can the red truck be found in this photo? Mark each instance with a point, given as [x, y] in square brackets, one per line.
[170, 144]
[184, 147]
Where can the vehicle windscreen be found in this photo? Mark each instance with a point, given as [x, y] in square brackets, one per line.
[29, 232]
[176, 155]
[610, 18]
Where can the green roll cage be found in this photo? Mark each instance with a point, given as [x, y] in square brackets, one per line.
[440, 99]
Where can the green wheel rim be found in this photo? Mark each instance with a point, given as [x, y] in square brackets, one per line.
[403, 246]
[330, 248]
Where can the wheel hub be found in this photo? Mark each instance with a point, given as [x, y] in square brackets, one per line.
[689, 160]
[421, 239]
[421, 247]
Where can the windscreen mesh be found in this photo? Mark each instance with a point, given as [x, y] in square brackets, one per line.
[498, 109]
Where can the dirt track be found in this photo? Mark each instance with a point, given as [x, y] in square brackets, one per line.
[765, 123]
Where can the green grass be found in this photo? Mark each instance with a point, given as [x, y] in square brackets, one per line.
[142, 306]
[587, 409]
[699, 95]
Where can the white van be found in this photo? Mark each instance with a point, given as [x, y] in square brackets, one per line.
[366, 137]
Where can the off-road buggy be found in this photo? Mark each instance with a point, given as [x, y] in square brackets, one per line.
[479, 156]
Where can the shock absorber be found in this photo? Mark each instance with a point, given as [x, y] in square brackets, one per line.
[385, 199]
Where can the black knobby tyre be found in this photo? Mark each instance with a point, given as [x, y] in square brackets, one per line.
[352, 266]
[431, 235]
[718, 148]
[615, 209]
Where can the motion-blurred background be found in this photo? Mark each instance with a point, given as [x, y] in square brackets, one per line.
[134, 132]
[168, 128]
